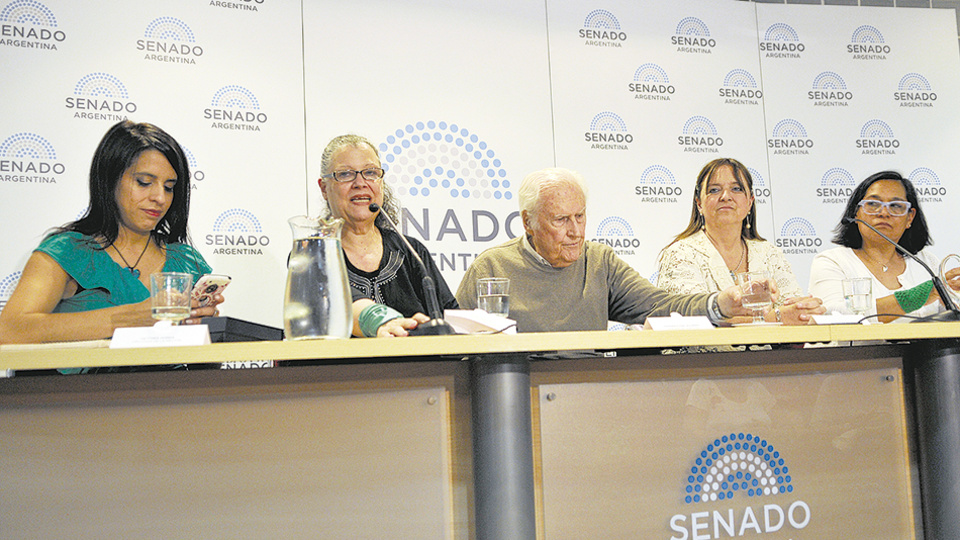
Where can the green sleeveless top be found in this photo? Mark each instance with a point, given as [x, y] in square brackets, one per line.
[103, 282]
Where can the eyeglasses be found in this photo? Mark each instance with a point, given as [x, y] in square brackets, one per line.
[896, 208]
[371, 174]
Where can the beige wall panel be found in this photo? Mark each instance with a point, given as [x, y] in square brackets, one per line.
[617, 456]
[374, 464]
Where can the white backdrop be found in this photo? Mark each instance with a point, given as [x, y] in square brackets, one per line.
[465, 99]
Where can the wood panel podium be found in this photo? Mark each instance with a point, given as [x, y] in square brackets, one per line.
[559, 435]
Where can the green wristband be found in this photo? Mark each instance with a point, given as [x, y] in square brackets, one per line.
[915, 298]
[373, 316]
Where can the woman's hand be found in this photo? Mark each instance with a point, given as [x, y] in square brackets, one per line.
[800, 310]
[209, 310]
[953, 278]
[399, 327]
[730, 300]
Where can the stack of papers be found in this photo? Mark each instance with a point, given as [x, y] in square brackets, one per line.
[477, 321]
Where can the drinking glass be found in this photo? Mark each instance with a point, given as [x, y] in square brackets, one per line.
[493, 295]
[170, 296]
[755, 287]
[858, 293]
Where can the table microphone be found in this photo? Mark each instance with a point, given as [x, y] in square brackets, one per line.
[436, 326]
[952, 314]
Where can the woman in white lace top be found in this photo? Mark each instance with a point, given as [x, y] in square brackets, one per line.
[721, 240]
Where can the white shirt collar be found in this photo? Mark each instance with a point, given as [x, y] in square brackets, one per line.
[528, 246]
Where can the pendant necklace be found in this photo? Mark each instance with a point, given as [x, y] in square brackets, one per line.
[743, 253]
[133, 268]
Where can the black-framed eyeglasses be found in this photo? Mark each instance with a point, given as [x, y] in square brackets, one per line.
[371, 174]
[895, 208]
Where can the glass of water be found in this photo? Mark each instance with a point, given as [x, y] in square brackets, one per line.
[858, 294]
[493, 295]
[757, 296]
[170, 296]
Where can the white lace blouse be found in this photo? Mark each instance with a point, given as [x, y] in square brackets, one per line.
[693, 265]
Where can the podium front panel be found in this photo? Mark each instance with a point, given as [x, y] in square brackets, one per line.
[811, 455]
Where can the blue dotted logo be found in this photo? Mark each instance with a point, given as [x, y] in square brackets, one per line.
[27, 146]
[101, 85]
[797, 226]
[237, 220]
[914, 82]
[781, 32]
[169, 28]
[866, 34]
[837, 176]
[430, 158]
[924, 176]
[739, 78]
[737, 464]
[28, 12]
[7, 285]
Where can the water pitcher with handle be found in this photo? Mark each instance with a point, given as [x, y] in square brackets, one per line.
[317, 304]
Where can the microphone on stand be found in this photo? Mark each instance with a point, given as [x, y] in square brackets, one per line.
[952, 313]
[436, 326]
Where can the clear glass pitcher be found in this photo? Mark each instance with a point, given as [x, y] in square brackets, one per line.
[317, 304]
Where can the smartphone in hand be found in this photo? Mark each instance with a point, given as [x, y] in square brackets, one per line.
[208, 286]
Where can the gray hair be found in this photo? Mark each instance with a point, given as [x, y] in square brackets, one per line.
[390, 203]
[537, 182]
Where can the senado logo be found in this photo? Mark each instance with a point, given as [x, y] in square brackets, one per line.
[29, 158]
[100, 96]
[866, 43]
[658, 185]
[650, 82]
[914, 90]
[7, 285]
[761, 191]
[829, 90]
[927, 184]
[30, 25]
[739, 465]
[740, 88]
[239, 5]
[836, 186]
[693, 36]
[170, 40]
[602, 29]
[435, 160]
[608, 132]
[876, 138]
[196, 173]
[798, 236]
[237, 232]
[700, 135]
[614, 231]
[781, 41]
[235, 108]
[789, 138]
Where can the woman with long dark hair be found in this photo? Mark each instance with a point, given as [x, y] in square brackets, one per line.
[91, 276]
[721, 240]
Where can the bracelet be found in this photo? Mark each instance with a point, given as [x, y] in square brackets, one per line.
[373, 316]
[915, 298]
[776, 309]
